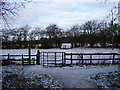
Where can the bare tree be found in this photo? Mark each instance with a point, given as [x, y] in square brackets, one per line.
[91, 27]
[39, 32]
[5, 35]
[74, 30]
[53, 31]
[24, 31]
[32, 35]
[9, 8]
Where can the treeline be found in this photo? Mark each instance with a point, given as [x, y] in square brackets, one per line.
[91, 33]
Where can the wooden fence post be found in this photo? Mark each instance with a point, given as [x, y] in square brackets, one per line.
[29, 51]
[82, 58]
[90, 59]
[22, 60]
[113, 59]
[8, 59]
[79, 61]
[47, 60]
[38, 58]
[62, 59]
[71, 58]
[43, 59]
[55, 58]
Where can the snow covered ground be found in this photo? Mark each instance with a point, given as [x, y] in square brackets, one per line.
[16, 77]
[73, 77]
[68, 77]
[107, 80]
[73, 50]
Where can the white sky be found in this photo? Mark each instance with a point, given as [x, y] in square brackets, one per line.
[65, 13]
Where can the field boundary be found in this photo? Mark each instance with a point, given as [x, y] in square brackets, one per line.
[51, 59]
[65, 59]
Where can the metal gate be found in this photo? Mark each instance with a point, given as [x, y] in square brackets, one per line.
[52, 59]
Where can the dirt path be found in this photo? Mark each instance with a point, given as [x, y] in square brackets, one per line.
[72, 77]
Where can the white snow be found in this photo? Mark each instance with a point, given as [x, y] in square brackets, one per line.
[68, 77]
[107, 80]
[37, 79]
[72, 77]
[73, 50]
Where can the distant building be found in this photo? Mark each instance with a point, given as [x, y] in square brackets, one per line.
[97, 45]
[66, 45]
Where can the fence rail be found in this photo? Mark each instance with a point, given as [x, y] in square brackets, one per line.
[92, 54]
[65, 58]
[24, 59]
[110, 58]
[17, 55]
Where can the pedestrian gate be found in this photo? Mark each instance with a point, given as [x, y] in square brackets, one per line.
[52, 59]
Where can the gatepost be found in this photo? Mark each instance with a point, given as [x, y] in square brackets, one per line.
[38, 58]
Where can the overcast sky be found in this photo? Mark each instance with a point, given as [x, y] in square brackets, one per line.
[64, 13]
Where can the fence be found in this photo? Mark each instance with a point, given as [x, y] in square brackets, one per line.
[91, 58]
[21, 59]
[63, 59]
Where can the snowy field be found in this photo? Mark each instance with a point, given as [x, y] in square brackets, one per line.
[73, 50]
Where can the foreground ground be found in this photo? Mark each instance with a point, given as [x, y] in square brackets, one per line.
[67, 77]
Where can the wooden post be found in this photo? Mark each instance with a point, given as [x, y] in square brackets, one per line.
[8, 59]
[43, 59]
[90, 59]
[79, 60]
[47, 59]
[82, 58]
[113, 58]
[55, 58]
[38, 58]
[71, 58]
[29, 53]
[62, 59]
[22, 60]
